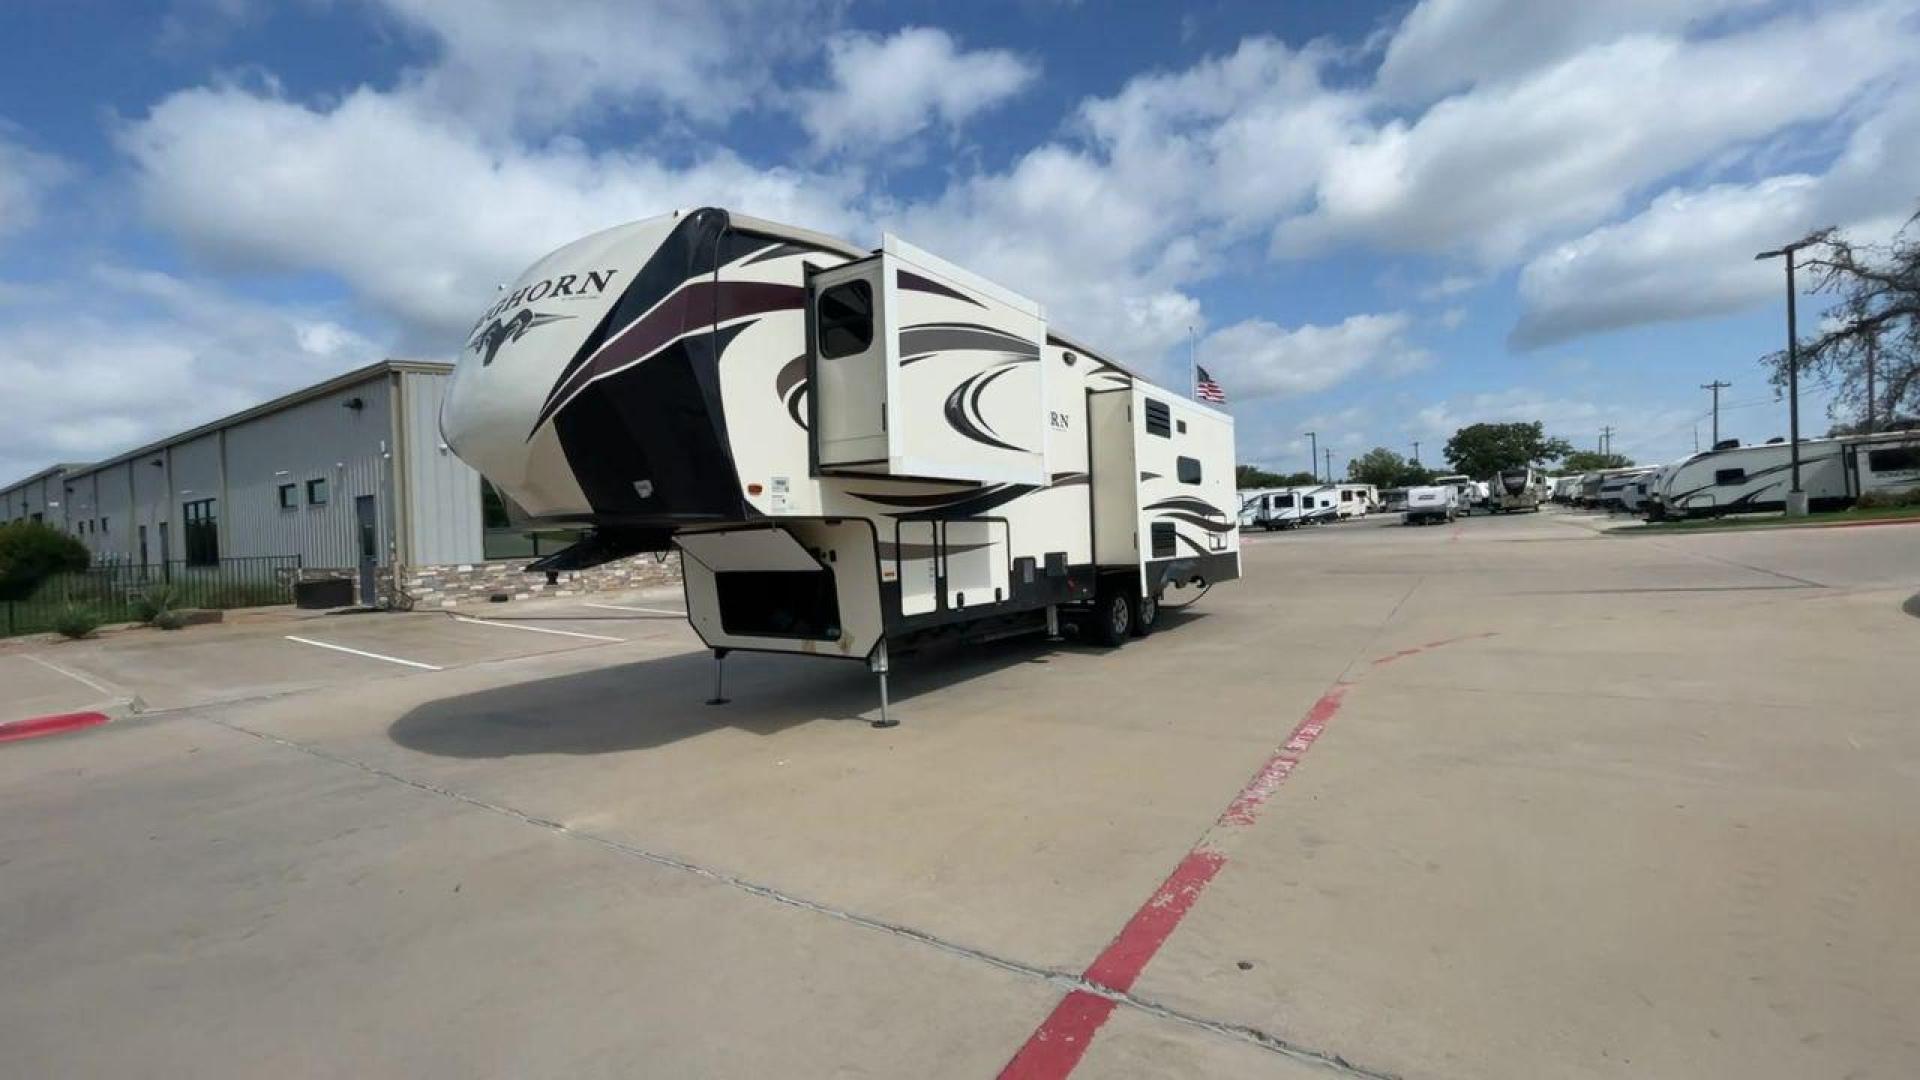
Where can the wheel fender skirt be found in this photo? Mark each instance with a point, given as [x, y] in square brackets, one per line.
[603, 546]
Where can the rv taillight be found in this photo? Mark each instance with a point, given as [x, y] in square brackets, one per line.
[753, 489]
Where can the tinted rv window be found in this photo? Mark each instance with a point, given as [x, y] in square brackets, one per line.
[1894, 459]
[846, 320]
[1730, 476]
[1189, 470]
[1159, 419]
[1163, 542]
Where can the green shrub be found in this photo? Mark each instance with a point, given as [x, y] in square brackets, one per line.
[168, 620]
[154, 601]
[1876, 500]
[30, 552]
[76, 622]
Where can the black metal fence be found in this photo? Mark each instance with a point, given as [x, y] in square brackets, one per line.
[113, 593]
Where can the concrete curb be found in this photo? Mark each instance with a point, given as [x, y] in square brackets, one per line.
[1641, 530]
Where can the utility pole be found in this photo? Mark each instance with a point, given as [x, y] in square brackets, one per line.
[1313, 454]
[1796, 498]
[1416, 451]
[1329, 452]
[1606, 441]
[1716, 386]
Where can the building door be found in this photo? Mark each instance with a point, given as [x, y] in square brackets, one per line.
[166, 555]
[367, 519]
[143, 551]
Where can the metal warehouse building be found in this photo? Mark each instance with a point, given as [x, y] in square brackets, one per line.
[349, 474]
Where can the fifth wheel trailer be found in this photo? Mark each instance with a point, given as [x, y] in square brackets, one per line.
[852, 450]
[1745, 479]
[1512, 490]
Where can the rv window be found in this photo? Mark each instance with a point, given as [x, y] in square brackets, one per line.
[1182, 426]
[1163, 542]
[845, 316]
[1894, 459]
[1189, 469]
[1730, 476]
[1159, 419]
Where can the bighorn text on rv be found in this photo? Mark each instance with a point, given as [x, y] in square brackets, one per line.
[850, 449]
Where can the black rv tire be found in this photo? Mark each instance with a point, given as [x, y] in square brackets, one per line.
[1146, 615]
[1111, 621]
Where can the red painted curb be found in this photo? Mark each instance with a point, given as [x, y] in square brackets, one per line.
[16, 730]
[1055, 1048]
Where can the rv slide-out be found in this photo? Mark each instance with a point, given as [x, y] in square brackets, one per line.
[850, 449]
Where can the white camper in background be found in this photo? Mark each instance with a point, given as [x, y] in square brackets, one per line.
[1614, 488]
[852, 450]
[1513, 490]
[1833, 472]
[1466, 493]
[1270, 509]
[1355, 500]
[1433, 503]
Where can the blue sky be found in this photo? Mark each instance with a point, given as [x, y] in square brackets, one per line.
[1381, 222]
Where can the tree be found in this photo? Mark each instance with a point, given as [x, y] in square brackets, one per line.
[1248, 477]
[1480, 450]
[1415, 475]
[1594, 461]
[30, 552]
[1871, 336]
[1379, 466]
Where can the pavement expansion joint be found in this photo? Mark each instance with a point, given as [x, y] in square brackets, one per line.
[1066, 981]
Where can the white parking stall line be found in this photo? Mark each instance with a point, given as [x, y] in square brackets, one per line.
[535, 629]
[74, 675]
[362, 652]
[632, 607]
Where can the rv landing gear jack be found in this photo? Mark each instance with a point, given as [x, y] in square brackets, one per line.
[719, 667]
[878, 665]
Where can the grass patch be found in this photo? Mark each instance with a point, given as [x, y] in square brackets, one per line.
[1774, 521]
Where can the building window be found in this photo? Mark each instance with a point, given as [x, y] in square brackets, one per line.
[1730, 476]
[1188, 469]
[202, 533]
[1894, 459]
[1159, 419]
[317, 492]
[103, 524]
[289, 496]
[845, 314]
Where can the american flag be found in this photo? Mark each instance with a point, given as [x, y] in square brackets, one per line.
[1205, 389]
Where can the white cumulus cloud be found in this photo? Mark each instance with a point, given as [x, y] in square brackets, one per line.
[885, 89]
[1256, 358]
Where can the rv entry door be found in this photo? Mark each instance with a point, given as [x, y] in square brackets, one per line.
[851, 373]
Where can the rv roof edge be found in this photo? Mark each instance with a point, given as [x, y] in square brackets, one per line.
[958, 275]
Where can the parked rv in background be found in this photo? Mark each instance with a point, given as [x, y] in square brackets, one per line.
[1465, 492]
[1833, 472]
[1356, 500]
[1512, 490]
[1432, 503]
[1288, 508]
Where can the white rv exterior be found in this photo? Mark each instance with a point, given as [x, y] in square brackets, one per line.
[1466, 494]
[849, 448]
[1355, 500]
[1747, 479]
[1434, 502]
[1513, 490]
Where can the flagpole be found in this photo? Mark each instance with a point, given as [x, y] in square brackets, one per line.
[1193, 368]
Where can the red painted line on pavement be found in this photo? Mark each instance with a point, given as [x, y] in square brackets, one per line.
[1055, 1048]
[49, 725]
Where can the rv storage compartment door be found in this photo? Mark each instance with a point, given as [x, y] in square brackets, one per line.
[915, 562]
[853, 367]
[764, 584]
[975, 554]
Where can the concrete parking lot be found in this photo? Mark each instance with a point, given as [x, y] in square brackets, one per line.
[1506, 798]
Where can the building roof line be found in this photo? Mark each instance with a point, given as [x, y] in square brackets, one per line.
[285, 401]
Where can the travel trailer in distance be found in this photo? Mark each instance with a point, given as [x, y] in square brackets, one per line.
[1465, 492]
[1749, 479]
[1432, 503]
[851, 450]
[1355, 500]
[1512, 490]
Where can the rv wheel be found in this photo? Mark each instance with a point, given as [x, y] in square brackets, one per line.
[1146, 614]
[1112, 618]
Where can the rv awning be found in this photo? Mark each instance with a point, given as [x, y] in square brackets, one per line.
[747, 549]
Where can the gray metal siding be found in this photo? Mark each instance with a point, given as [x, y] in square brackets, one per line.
[108, 489]
[318, 439]
[442, 492]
